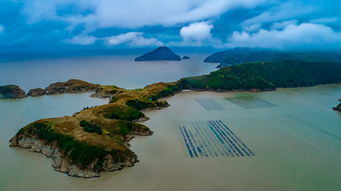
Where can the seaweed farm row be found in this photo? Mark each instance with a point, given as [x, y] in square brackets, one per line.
[212, 139]
[250, 102]
[209, 104]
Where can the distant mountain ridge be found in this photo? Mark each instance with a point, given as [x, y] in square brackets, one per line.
[161, 53]
[243, 55]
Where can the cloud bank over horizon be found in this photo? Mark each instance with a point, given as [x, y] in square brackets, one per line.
[38, 25]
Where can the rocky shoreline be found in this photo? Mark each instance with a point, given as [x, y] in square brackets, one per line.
[71, 86]
[338, 107]
[62, 164]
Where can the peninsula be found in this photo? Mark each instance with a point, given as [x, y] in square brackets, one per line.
[95, 139]
[161, 53]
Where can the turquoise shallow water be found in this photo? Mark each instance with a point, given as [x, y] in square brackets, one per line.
[294, 134]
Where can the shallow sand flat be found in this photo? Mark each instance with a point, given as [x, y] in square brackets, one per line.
[295, 143]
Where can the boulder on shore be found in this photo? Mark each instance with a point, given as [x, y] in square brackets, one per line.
[338, 107]
[36, 92]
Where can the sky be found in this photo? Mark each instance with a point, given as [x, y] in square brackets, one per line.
[62, 25]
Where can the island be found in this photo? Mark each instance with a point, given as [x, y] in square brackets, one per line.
[97, 139]
[242, 55]
[161, 53]
[11, 92]
[186, 57]
[262, 76]
[70, 86]
[338, 107]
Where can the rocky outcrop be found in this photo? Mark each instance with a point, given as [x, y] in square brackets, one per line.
[338, 107]
[11, 92]
[61, 162]
[37, 92]
[106, 91]
[162, 53]
[186, 57]
[70, 86]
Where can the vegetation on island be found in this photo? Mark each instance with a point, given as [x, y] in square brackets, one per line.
[90, 127]
[79, 153]
[244, 55]
[266, 76]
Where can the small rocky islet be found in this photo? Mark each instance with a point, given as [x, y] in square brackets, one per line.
[11, 92]
[97, 139]
[70, 86]
[338, 107]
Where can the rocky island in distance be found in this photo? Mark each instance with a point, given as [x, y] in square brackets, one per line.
[161, 53]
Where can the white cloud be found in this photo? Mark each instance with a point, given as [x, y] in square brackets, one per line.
[82, 40]
[131, 13]
[292, 36]
[196, 32]
[2, 29]
[132, 39]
